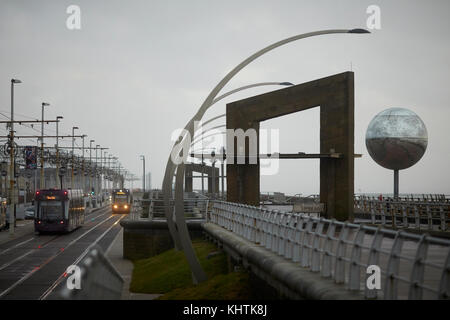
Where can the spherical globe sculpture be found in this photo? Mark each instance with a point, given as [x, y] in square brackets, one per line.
[396, 139]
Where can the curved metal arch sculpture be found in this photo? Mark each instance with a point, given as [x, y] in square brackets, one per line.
[179, 232]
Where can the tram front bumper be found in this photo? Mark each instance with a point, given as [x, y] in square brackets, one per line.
[121, 208]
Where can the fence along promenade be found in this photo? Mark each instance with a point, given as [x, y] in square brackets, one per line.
[412, 266]
[427, 212]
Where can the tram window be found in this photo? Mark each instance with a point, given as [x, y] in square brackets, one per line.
[50, 210]
[121, 199]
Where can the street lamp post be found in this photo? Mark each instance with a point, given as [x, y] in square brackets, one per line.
[73, 160]
[42, 182]
[12, 178]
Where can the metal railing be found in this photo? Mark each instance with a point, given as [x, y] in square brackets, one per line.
[193, 208]
[99, 279]
[412, 266]
[431, 215]
[408, 198]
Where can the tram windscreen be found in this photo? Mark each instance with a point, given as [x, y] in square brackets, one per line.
[50, 210]
[121, 199]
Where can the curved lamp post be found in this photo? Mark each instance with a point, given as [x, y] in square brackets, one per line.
[181, 238]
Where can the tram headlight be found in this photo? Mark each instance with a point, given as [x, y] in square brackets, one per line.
[125, 206]
[115, 206]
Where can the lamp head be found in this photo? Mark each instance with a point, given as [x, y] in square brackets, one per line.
[15, 81]
[358, 31]
[45, 104]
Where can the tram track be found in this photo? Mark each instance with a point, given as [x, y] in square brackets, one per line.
[53, 254]
[40, 245]
[51, 289]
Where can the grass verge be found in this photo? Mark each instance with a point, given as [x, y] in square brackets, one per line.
[169, 274]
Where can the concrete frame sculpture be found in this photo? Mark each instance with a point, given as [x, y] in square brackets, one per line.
[179, 232]
[335, 97]
[208, 170]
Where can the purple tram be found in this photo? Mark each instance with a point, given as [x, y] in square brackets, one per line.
[58, 210]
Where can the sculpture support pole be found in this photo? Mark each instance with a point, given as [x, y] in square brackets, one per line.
[396, 184]
[183, 233]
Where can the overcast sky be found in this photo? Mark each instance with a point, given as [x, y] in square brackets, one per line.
[137, 70]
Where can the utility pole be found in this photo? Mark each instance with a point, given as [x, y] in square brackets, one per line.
[35, 170]
[42, 182]
[143, 173]
[83, 183]
[109, 172]
[96, 169]
[58, 178]
[12, 200]
[91, 171]
[73, 160]
[120, 179]
[105, 172]
[100, 177]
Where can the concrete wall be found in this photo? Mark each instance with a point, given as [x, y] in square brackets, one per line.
[144, 239]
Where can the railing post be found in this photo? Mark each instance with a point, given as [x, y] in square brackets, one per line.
[418, 270]
[315, 259]
[299, 231]
[275, 231]
[417, 216]
[374, 257]
[355, 261]
[391, 286]
[383, 209]
[443, 218]
[372, 212]
[405, 216]
[429, 217]
[339, 273]
[269, 230]
[326, 263]
[444, 287]
[306, 247]
[265, 227]
[282, 234]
